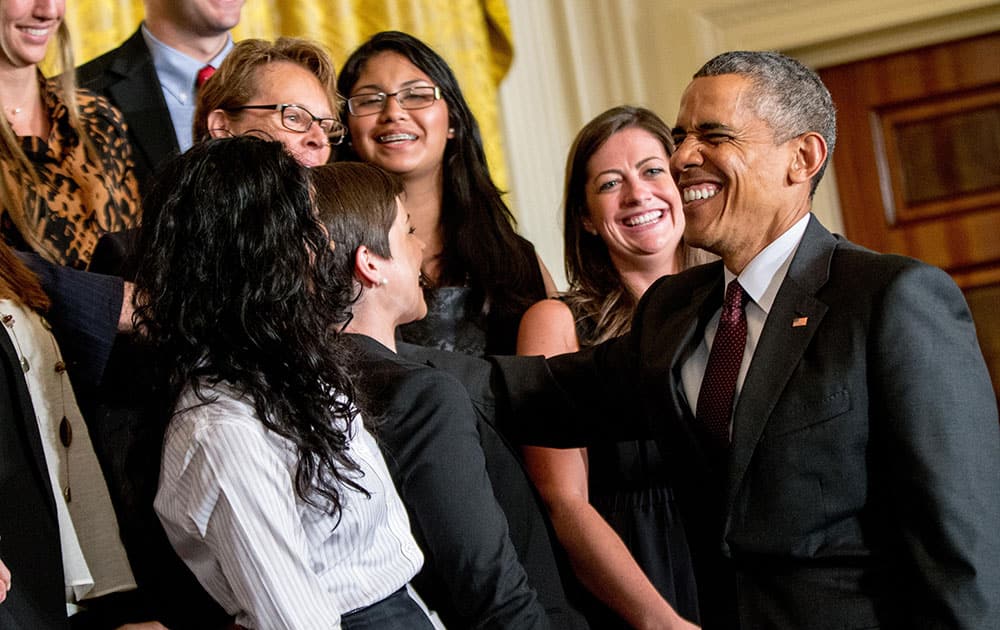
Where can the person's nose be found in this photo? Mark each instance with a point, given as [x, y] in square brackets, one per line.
[686, 155]
[637, 192]
[315, 136]
[47, 9]
[392, 110]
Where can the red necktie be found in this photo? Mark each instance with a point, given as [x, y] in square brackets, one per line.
[715, 400]
[203, 75]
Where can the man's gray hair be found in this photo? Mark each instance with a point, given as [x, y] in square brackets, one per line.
[790, 97]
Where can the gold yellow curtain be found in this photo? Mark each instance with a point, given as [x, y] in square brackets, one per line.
[474, 36]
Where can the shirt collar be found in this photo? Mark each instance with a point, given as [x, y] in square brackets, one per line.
[177, 72]
[762, 277]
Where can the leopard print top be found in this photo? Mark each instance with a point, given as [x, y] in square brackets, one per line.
[78, 200]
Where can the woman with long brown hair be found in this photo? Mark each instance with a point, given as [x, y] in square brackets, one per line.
[612, 505]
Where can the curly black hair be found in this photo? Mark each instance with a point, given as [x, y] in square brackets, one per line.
[236, 285]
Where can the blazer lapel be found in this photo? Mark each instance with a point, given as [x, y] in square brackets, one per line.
[26, 420]
[699, 299]
[140, 98]
[794, 318]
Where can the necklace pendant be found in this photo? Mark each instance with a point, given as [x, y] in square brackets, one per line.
[67, 494]
[24, 364]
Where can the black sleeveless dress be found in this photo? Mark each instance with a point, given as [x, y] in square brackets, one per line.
[629, 486]
[460, 320]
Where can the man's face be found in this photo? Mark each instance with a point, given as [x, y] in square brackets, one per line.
[202, 17]
[732, 176]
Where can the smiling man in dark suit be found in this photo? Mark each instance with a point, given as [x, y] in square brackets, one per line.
[833, 426]
[151, 77]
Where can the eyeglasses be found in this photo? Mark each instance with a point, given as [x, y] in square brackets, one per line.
[416, 97]
[299, 119]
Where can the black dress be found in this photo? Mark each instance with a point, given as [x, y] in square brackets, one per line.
[629, 486]
[459, 319]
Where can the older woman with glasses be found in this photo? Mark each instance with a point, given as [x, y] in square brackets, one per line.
[284, 90]
[406, 114]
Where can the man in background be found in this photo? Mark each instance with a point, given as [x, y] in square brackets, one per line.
[152, 77]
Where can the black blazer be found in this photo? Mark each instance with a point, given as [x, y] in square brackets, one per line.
[126, 76]
[538, 549]
[426, 427]
[29, 530]
[862, 486]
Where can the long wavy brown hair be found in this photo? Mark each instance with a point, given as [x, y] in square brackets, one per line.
[18, 283]
[597, 296]
[18, 172]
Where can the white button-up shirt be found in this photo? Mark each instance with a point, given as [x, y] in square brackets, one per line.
[228, 504]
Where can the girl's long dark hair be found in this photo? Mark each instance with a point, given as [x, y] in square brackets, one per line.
[236, 286]
[481, 247]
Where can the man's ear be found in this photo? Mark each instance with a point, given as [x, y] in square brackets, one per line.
[218, 124]
[809, 156]
[366, 267]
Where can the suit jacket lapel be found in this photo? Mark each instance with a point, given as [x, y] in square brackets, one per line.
[140, 98]
[700, 297]
[780, 348]
[27, 423]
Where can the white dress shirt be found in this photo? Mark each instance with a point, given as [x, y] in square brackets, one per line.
[228, 504]
[760, 279]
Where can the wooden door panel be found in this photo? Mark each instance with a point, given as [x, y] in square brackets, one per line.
[918, 164]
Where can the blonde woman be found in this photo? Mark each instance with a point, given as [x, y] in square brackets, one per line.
[66, 162]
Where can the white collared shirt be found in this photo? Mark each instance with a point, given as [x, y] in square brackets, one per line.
[227, 502]
[761, 279]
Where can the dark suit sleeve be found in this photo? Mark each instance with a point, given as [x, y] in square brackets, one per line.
[115, 254]
[432, 448]
[573, 400]
[84, 317]
[941, 450]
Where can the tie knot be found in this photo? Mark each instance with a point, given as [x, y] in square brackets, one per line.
[203, 75]
[735, 299]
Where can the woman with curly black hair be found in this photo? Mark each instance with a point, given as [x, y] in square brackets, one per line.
[271, 489]
[405, 113]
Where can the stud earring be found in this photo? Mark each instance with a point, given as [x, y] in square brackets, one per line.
[383, 281]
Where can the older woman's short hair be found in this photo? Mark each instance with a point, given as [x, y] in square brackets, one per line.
[235, 82]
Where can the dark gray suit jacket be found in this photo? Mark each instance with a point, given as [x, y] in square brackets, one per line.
[534, 538]
[126, 76]
[862, 487]
[426, 426]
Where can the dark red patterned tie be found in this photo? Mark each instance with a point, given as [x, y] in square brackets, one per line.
[203, 75]
[715, 400]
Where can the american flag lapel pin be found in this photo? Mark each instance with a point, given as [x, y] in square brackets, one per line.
[798, 322]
